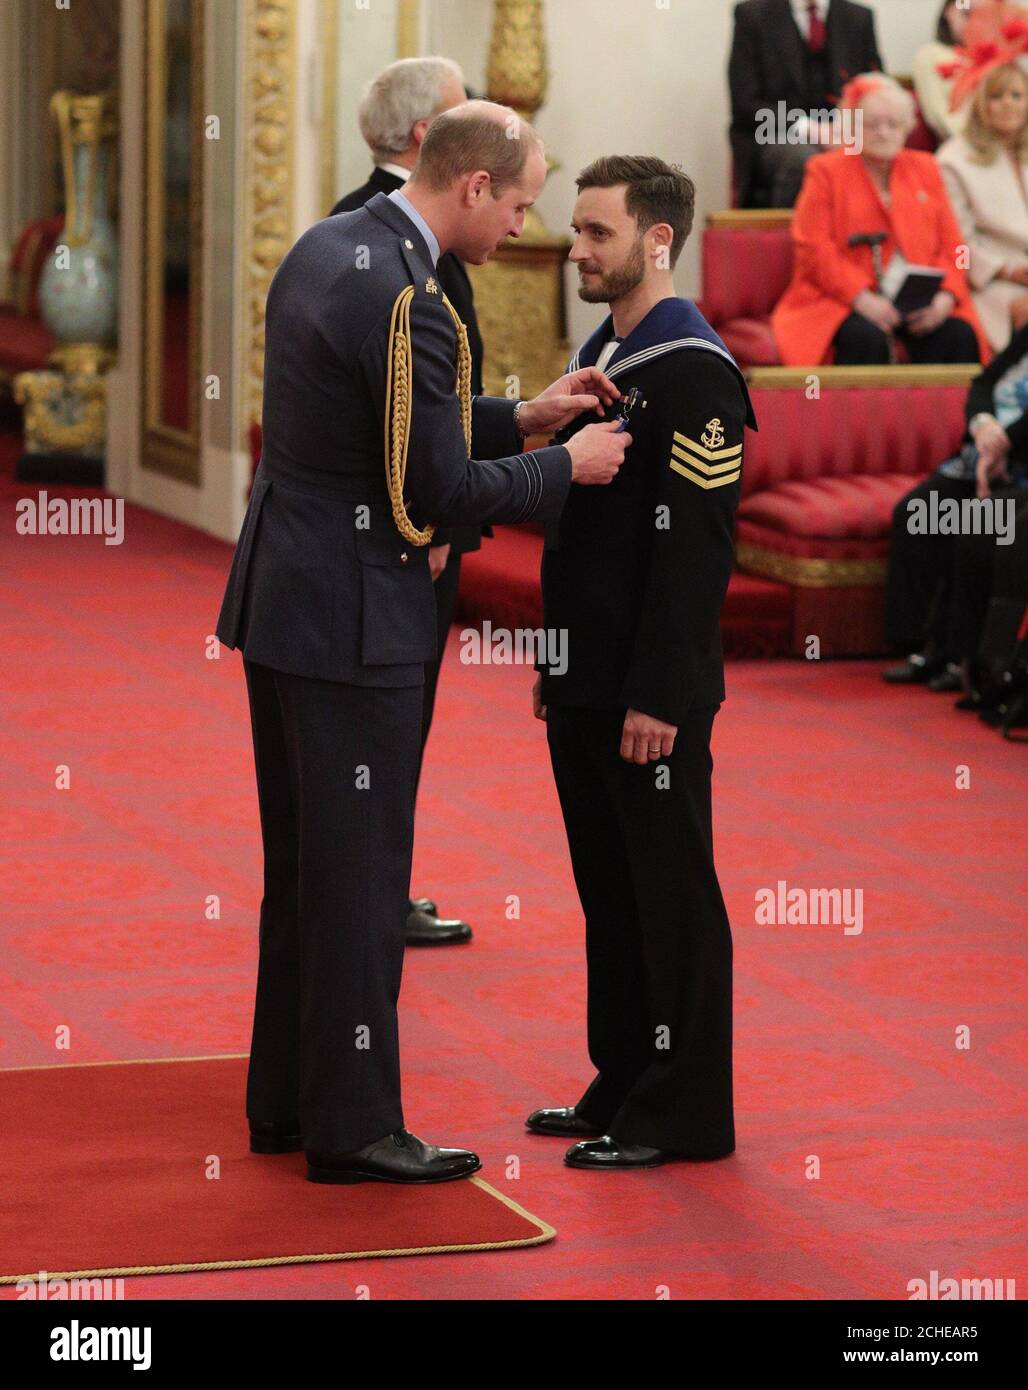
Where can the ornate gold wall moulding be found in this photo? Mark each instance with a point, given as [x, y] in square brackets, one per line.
[268, 133]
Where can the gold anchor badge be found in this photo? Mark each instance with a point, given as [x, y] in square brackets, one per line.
[713, 436]
[431, 285]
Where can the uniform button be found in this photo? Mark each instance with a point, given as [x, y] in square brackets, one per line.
[409, 244]
[403, 556]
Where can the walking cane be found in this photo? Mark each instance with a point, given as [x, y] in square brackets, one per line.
[874, 240]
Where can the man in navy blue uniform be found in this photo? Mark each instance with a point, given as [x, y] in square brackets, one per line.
[369, 430]
[635, 577]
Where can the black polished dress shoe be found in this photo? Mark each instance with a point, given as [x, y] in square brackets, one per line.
[422, 905]
[562, 1121]
[947, 681]
[914, 671]
[271, 1137]
[608, 1152]
[425, 930]
[398, 1157]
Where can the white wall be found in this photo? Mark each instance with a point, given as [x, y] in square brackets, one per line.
[640, 77]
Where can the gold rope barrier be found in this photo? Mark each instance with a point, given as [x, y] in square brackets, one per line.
[398, 406]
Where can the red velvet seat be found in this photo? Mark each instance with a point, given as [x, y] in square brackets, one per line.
[746, 270]
[820, 482]
[25, 344]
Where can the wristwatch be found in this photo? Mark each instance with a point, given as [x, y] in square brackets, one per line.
[517, 420]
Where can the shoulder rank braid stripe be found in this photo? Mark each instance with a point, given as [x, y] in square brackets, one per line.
[398, 406]
[703, 465]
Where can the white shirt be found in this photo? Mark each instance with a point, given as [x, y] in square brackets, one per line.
[607, 352]
[801, 14]
[398, 170]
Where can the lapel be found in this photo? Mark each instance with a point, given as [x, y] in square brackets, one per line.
[788, 40]
[837, 35]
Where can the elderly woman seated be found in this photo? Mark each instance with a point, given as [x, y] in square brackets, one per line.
[869, 190]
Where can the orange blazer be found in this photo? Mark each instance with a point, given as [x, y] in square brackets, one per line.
[838, 201]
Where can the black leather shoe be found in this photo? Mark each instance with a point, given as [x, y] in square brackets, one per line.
[422, 905]
[425, 930]
[608, 1152]
[562, 1121]
[914, 671]
[399, 1157]
[947, 681]
[271, 1137]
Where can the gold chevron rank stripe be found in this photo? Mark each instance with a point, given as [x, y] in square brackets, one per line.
[707, 468]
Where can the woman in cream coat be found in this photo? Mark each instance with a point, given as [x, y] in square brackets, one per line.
[986, 175]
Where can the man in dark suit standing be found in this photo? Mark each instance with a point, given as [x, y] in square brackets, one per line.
[369, 429]
[801, 53]
[394, 115]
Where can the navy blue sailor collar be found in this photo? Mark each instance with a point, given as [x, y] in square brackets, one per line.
[671, 325]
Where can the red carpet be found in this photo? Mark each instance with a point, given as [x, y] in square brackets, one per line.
[114, 1169]
[845, 1045]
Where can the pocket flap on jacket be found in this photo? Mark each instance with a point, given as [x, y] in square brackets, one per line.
[382, 544]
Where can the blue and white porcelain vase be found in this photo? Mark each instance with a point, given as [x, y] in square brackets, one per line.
[78, 290]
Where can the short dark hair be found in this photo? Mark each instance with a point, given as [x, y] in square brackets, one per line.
[655, 192]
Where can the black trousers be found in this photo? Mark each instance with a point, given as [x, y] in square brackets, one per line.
[658, 942]
[938, 586]
[336, 770]
[446, 587]
[919, 582]
[859, 342]
[985, 572]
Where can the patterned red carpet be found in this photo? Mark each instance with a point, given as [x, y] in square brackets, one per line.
[872, 1148]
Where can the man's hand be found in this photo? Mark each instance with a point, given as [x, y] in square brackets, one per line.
[568, 396]
[538, 708]
[923, 321]
[644, 739]
[437, 558]
[597, 452]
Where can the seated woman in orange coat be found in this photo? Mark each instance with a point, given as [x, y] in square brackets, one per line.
[832, 311]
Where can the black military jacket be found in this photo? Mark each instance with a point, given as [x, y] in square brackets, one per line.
[322, 582]
[636, 572]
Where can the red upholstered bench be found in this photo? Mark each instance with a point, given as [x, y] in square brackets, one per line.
[747, 266]
[822, 478]
[25, 343]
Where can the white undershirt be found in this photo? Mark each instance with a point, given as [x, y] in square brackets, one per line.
[607, 352]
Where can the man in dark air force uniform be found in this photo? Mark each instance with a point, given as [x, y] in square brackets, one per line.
[369, 428]
[635, 574]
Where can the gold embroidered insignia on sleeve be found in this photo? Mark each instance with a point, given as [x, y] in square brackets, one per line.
[713, 436]
[704, 463]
